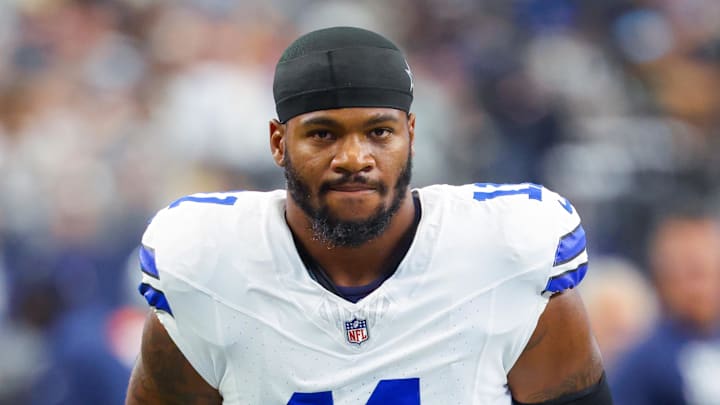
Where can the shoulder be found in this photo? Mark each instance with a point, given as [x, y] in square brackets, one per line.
[196, 210]
[527, 211]
[521, 199]
[189, 251]
[206, 211]
[191, 230]
[523, 227]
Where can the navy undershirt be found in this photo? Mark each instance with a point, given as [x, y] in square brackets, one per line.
[356, 293]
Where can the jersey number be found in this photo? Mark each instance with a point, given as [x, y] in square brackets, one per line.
[217, 198]
[396, 392]
[533, 191]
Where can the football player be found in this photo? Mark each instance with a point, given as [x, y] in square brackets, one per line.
[348, 287]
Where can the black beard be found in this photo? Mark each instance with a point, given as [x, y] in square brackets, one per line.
[334, 232]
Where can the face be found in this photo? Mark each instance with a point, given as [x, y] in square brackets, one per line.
[348, 169]
[686, 264]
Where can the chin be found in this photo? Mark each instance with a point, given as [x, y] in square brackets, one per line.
[354, 214]
[352, 207]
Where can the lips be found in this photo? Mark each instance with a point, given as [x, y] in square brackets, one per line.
[352, 187]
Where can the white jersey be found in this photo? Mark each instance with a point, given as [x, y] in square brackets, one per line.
[228, 284]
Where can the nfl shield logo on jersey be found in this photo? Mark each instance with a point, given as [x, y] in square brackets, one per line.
[356, 331]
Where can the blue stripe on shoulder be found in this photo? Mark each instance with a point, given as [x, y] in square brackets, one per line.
[566, 280]
[570, 246]
[147, 262]
[155, 298]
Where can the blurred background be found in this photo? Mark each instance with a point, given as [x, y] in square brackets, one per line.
[110, 109]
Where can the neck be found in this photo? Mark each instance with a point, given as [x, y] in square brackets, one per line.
[353, 266]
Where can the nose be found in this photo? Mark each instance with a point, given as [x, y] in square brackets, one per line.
[354, 155]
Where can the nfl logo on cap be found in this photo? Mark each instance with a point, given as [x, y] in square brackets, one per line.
[356, 331]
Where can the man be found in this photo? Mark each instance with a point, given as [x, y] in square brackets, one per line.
[347, 288]
[679, 362]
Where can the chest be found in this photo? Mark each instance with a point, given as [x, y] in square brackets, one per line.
[437, 347]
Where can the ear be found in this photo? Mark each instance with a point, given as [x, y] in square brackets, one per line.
[411, 132]
[277, 142]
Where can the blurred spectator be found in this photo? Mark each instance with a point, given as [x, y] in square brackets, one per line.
[679, 363]
[84, 367]
[621, 306]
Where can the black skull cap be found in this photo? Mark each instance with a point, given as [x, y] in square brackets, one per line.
[341, 67]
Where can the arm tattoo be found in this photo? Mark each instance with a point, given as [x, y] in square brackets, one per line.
[561, 357]
[573, 383]
[164, 376]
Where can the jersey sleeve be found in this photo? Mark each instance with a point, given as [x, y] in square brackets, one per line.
[543, 231]
[547, 254]
[570, 256]
[170, 254]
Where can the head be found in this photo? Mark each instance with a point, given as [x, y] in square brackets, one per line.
[685, 261]
[344, 133]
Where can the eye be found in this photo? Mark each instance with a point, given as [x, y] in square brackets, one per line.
[321, 135]
[381, 132]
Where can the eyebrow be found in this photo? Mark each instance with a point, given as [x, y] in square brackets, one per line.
[379, 119]
[320, 121]
[329, 122]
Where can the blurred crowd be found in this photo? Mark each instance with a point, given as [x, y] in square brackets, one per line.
[110, 109]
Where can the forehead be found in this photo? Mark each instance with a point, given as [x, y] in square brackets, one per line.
[349, 117]
[687, 240]
[689, 231]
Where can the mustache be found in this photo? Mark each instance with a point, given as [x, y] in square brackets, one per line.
[352, 179]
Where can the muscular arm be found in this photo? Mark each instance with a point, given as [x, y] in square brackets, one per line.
[561, 357]
[162, 375]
